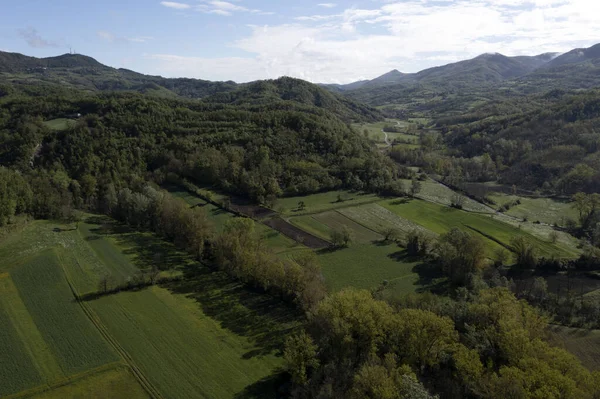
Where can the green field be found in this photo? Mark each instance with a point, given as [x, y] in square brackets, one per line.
[433, 191]
[60, 123]
[367, 266]
[378, 218]
[202, 337]
[321, 202]
[440, 219]
[545, 210]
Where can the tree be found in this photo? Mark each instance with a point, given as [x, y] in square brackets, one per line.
[300, 356]
[586, 205]
[415, 187]
[301, 206]
[457, 201]
[461, 255]
[417, 243]
[553, 237]
[391, 234]
[341, 238]
[525, 251]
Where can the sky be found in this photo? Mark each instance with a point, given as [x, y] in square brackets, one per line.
[320, 41]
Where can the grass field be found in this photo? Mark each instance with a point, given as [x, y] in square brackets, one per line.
[440, 219]
[367, 266]
[545, 210]
[433, 191]
[322, 202]
[60, 123]
[378, 218]
[202, 337]
[585, 344]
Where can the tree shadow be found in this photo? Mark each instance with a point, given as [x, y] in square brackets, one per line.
[431, 278]
[401, 201]
[265, 320]
[274, 386]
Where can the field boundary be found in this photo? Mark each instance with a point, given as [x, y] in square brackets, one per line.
[359, 223]
[137, 373]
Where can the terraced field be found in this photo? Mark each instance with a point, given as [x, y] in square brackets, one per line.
[545, 210]
[322, 202]
[205, 338]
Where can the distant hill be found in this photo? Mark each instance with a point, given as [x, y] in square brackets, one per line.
[266, 92]
[75, 71]
[456, 87]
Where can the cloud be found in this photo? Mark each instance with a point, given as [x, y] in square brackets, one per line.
[177, 6]
[327, 5]
[33, 38]
[408, 35]
[116, 39]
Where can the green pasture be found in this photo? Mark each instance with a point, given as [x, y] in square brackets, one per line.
[321, 202]
[440, 219]
[545, 210]
[368, 266]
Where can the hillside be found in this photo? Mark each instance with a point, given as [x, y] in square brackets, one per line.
[265, 92]
[75, 71]
[458, 87]
[545, 141]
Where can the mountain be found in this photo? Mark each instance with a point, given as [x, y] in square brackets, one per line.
[455, 88]
[75, 71]
[266, 92]
[576, 56]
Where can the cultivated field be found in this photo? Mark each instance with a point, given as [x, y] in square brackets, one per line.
[202, 338]
[585, 344]
[322, 202]
[368, 266]
[545, 210]
[496, 234]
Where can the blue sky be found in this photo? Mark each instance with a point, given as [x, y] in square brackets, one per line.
[321, 41]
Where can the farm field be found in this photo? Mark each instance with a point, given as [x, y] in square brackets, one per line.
[207, 338]
[440, 219]
[316, 203]
[367, 266]
[433, 191]
[545, 210]
[585, 344]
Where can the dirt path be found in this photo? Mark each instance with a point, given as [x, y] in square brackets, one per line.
[387, 138]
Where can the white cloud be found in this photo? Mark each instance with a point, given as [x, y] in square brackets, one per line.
[108, 36]
[34, 39]
[407, 35]
[327, 5]
[177, 6]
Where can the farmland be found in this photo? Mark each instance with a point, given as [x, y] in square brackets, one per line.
[321, 202]
[545, 210]
[585, 344]
[368, 266]
[182, 339]
[496, 234]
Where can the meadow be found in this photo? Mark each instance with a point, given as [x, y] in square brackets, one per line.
[496, 234]
[322, 202]
[369, 266]
[202, 337]
[545, 210]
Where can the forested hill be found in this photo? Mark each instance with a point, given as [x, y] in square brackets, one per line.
[289, 89]
[259, 151]
[75, 71]
[549, 141]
